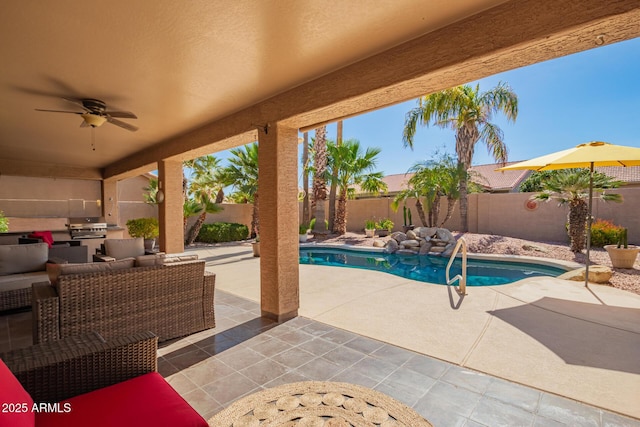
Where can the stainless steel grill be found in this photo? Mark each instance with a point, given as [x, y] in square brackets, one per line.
[87, 228]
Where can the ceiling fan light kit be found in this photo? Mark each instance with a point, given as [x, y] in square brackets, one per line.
[93, 120]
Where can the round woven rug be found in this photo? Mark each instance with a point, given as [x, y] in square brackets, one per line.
[317, 404]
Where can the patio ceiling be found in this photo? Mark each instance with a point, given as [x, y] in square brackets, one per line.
[184, 67]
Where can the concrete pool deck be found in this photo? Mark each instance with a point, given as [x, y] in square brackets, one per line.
[551, 334]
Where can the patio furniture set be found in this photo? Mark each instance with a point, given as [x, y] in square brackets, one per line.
[95, 333]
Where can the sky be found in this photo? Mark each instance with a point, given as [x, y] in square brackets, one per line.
[589, 96]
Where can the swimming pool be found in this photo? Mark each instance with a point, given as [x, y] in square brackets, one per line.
[425, 268]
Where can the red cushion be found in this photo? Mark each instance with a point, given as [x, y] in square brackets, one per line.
[15, 402]
[147, 400]
[44, 235]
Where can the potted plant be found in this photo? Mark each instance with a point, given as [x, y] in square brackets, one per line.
[302, 233]
[147, 228]
[622, 254]
[256, 246]
[406, 213]
[370, 228]
[384, 226]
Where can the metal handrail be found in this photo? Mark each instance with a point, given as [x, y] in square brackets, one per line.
[461, 278]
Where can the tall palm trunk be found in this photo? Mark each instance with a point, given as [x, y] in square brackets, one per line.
[255, 222]
[577, 218]
[466, 138]
[195, 229]
[451, 203]
[319, 182]
[334, 186]
[421, 215]
[220, 196]
[305, 180]
[340, 225]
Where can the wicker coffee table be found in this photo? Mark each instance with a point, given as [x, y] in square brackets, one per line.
[317, 404]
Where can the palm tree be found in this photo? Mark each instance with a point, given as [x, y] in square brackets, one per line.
[468, 112]
[190, 208]
[334, 182]
[352, 167]
[319, 177]
[306, 217]
[242, 173]
[204, 187]
[571, 187]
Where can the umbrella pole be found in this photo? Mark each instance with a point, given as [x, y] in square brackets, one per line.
[586, 270]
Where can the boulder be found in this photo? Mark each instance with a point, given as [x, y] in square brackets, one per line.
[405, 252]
[391, 246]
[399, 236]
[597, 274]
[535, 248]
[411, 235]
[445, 235]
[427, 231]
[448, 250]
[425, 249]
[410, 243]
[438, 249]
[377, 243]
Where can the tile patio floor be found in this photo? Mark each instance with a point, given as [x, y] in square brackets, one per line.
[246, 353]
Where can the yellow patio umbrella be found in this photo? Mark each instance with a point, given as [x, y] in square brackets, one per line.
[587, 155]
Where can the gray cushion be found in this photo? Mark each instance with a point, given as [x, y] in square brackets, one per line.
[124, 248]
[21, 281]
[23, 258]
[57, 270]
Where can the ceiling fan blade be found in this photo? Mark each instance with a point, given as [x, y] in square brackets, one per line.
[122, 124]
[121, 114]
[77, 102]
[58, 111]
[84, 124]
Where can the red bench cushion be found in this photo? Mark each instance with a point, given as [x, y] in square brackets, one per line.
[15, 402]
[147, 400]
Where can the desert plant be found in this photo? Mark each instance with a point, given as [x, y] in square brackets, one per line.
[4, 223]
[622, 239]
[303, 229]
[370, 224]
[385, 224]
[222, 232]
[147, 228]
[312, 224]
[603, 233]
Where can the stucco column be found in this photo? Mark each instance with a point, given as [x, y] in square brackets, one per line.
[110, 210]
[278, 210]
[170, 215]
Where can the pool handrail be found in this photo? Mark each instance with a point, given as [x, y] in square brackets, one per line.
[462, 279]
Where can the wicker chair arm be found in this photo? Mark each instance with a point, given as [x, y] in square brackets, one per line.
[57, 370]
[45, 312]
[207, 300]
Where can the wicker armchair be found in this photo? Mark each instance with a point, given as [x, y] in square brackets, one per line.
[169, 300]
[54, 371]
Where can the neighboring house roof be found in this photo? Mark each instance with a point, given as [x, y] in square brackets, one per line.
[506, 181]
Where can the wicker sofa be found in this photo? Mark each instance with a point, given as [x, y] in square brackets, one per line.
[170, 300]
[87, 381]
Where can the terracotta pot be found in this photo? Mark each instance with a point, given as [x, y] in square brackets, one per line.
[621, 257]
[303, 237]
[256, 249]
[369, 233]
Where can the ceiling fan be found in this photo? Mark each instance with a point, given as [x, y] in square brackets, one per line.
[95, 113]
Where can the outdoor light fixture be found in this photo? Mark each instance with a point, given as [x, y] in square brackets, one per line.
[600, 40]
[93, 120]
[160, 196]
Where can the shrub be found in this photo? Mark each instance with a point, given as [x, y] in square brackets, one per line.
[146, 228]
[222, 232]
[4, 223]
[603, 233]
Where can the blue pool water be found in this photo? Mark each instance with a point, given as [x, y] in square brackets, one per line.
[427, 268]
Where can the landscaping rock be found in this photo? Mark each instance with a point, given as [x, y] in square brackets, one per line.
[438, 249]
[445, 235]
[535, 248]
[391, 246]
[410, 243]
[427, 231]
[411, 235]
[377, 243]
[405, 252]
[425, 249]
[597, 274]
[399, 236]
[448, 250]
